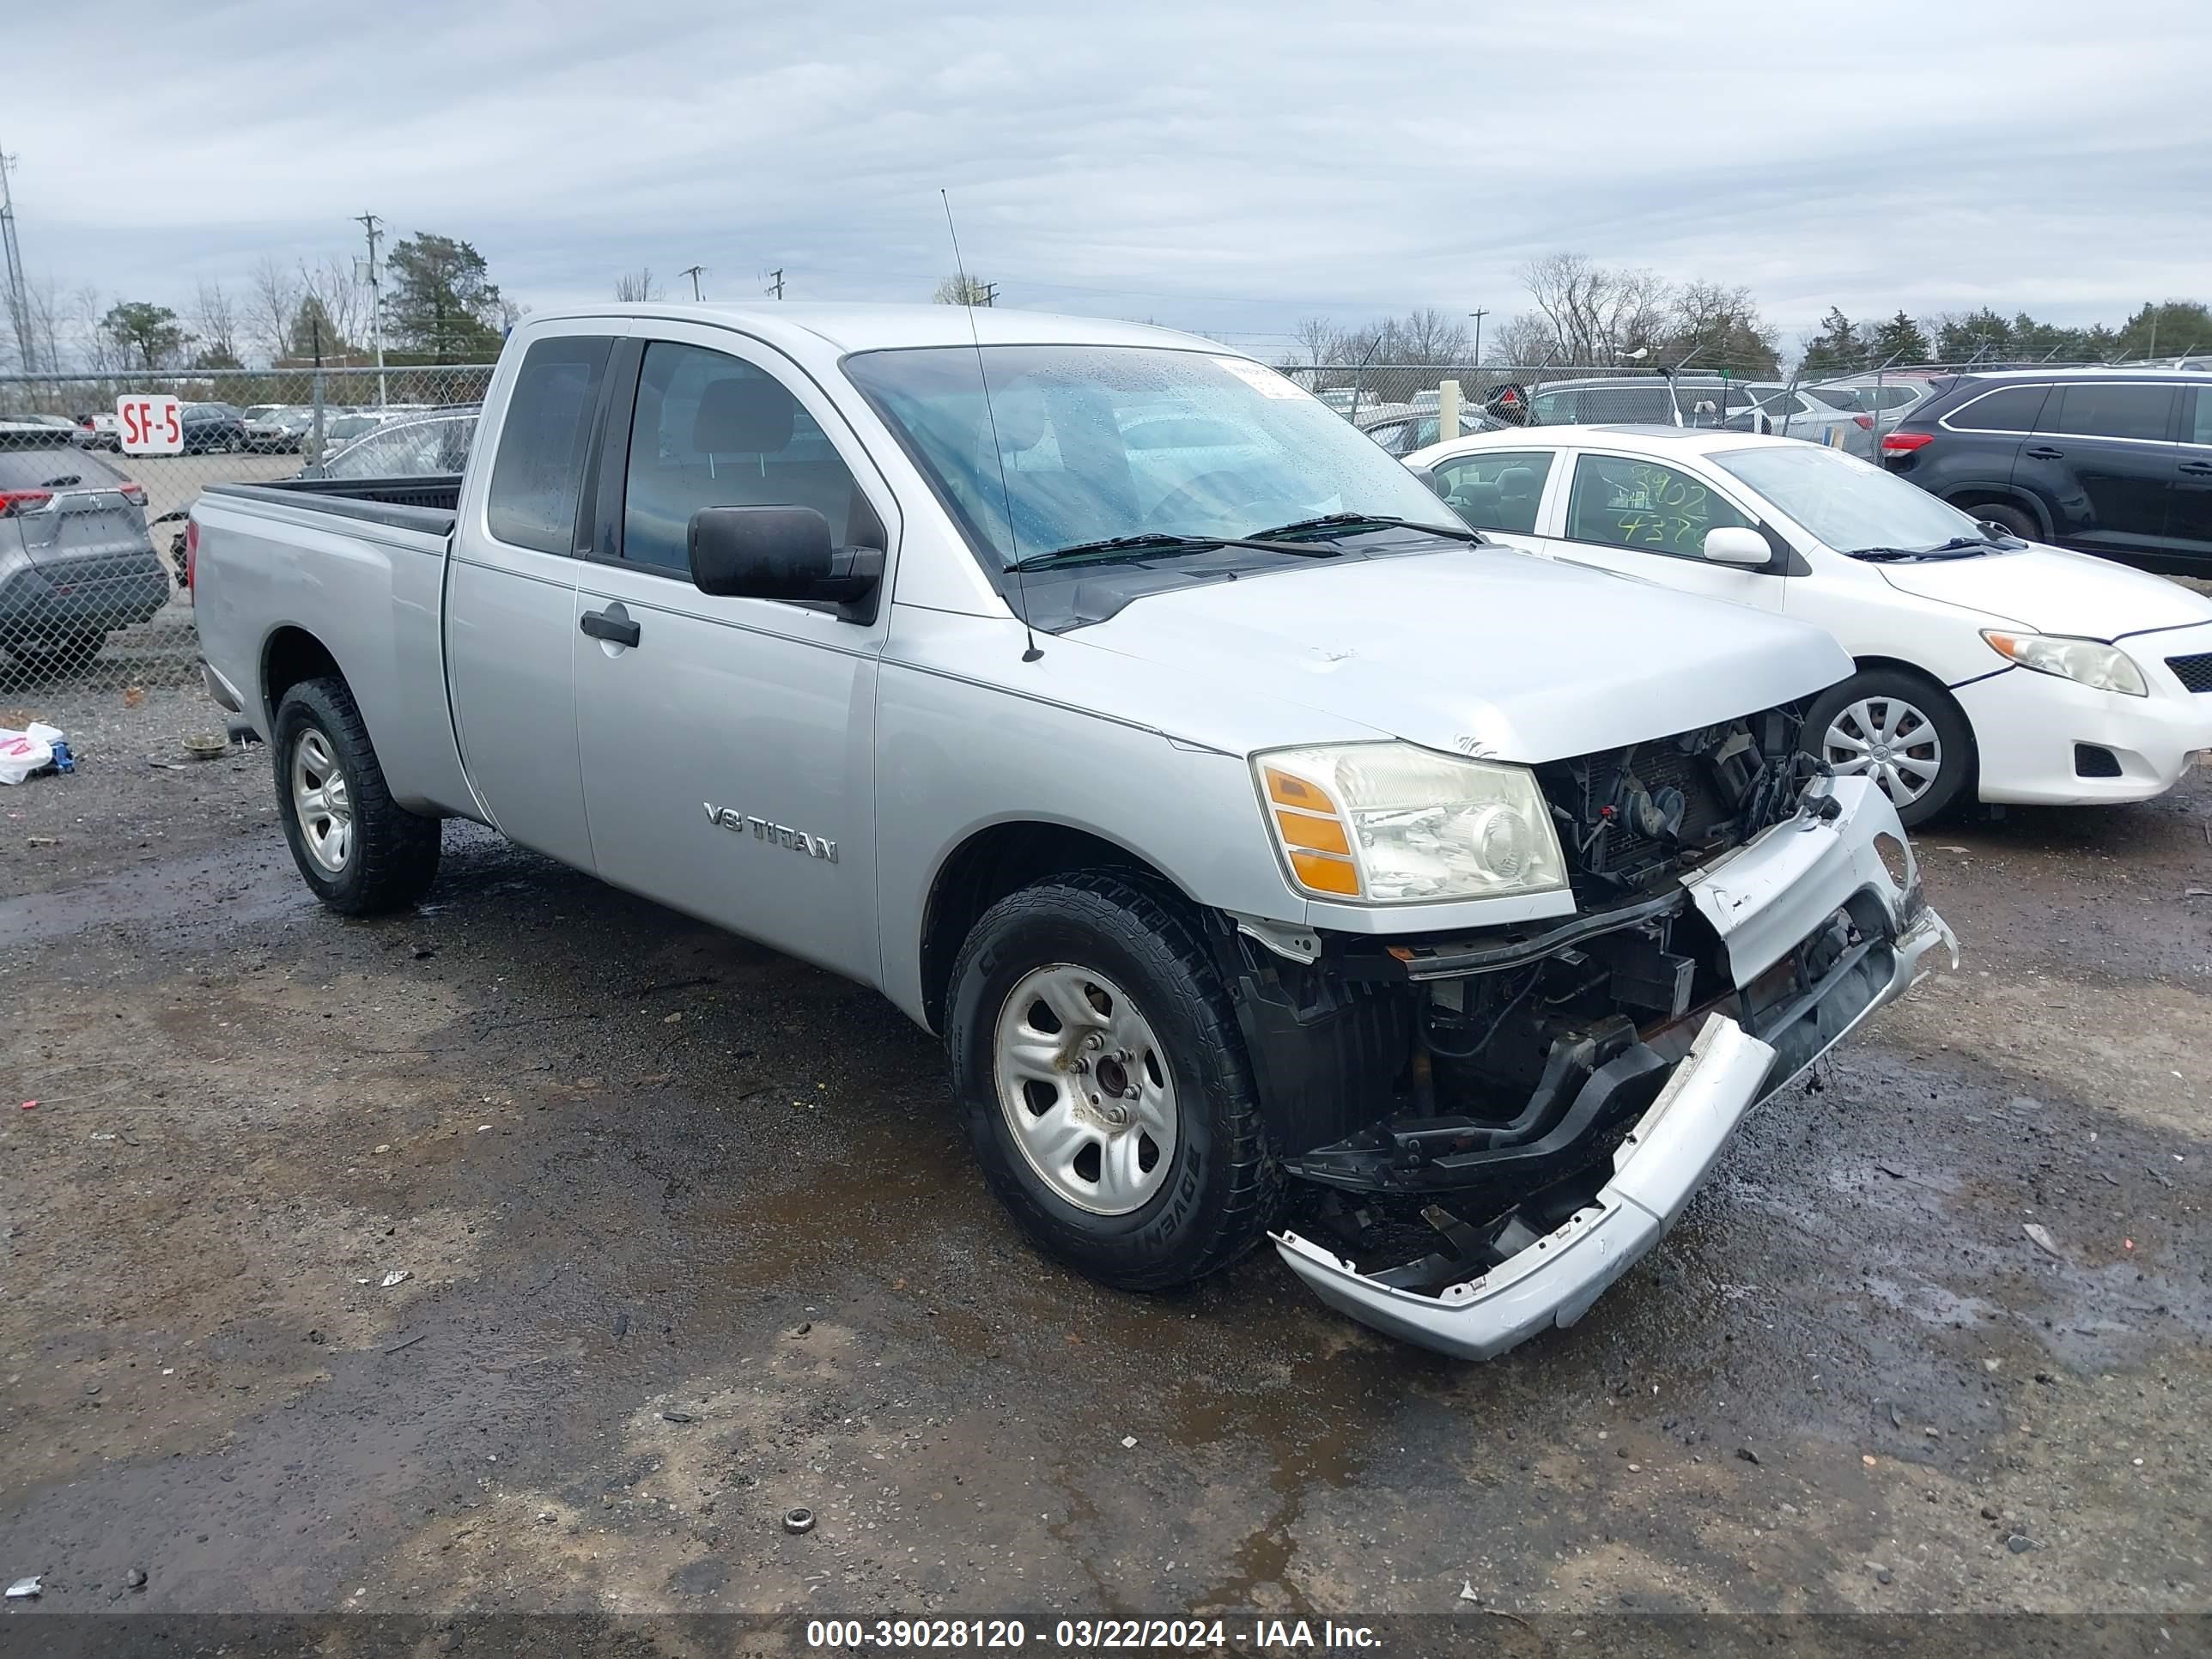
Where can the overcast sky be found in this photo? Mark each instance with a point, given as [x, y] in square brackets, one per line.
[1228, 166]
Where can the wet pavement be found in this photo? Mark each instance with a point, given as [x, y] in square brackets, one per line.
[689, 1236]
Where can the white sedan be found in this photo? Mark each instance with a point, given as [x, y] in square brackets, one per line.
[1987, 665]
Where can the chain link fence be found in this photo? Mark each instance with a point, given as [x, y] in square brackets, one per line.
[96, 628]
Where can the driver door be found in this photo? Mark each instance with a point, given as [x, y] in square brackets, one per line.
[728, 743]
[1646, 518]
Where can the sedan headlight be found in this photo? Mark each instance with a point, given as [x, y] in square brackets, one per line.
[1391, 823]
[2091, 662]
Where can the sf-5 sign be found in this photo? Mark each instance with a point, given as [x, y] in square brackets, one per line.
[150, 423]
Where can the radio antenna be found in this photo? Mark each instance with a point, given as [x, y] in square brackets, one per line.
[998, 451]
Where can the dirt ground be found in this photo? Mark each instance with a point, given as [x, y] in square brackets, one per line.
[539, 1251]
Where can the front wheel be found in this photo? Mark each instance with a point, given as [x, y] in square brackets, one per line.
[361, 851]
[2016, 520]
[1105, 1083]
[1903, 732]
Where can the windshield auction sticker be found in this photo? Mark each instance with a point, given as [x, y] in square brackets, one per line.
[1263, 381]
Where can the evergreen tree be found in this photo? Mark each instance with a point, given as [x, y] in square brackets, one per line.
[444, 304]
[1900, 341]
[1835, 349]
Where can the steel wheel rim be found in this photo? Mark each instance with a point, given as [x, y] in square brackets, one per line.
[1086, 1089]
[1889, 740]
[322, 803]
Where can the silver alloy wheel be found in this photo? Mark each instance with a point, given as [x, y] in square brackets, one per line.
[1086, 1089]
[1889, 740]
[321, 802]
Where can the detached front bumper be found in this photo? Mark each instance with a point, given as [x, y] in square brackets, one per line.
[1764, 898]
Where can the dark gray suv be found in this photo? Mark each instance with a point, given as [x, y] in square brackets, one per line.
[2107, 460]
[76, 561]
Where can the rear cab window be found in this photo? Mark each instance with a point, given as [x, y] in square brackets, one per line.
[538, 476]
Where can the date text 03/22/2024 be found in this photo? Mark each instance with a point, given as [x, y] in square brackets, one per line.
[1090, 1635]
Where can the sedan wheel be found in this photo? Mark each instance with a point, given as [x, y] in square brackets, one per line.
[1889, 740]
[1086, 1089]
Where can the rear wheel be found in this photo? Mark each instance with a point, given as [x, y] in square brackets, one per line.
[2017, 519]
[1903, 732]
[1105, 1085]
[58, 655]
[361, 851]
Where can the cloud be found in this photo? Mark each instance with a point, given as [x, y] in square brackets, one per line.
[1231, 168]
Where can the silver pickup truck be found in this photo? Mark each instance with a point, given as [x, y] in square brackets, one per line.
[1275, 859]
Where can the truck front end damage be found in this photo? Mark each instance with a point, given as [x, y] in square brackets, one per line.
[1492, 1129]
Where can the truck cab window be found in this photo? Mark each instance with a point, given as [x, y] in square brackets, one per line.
[711, 430]
[538, 474]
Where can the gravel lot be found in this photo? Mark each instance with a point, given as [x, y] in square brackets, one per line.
[689, 1237]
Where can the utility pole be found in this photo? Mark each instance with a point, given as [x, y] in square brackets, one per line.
[990, 294]
[374, 227]
[776, 282]
[1477, 316]
[692, 271]
[19, 295]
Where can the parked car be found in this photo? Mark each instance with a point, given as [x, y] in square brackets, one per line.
[1403, 431]
[1775, 409]
[100, 430]
[437, 445]
[1986, 666]
[278, 429]
[212, 429]
[1178, 788]
[2111, 461]
[76, 560]
[1886, 397]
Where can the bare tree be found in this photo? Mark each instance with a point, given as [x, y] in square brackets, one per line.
[1525, 342]
[634, 286]
[217, 322]
[963, 291]
[84, 310]
[1718, 326]
[271, 304]
[1321, 344]
[1601, 314]
[341, 300]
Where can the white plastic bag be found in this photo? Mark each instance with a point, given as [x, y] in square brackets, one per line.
[24, 752]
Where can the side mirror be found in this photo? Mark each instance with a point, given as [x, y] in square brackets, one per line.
[1735, 544]
[777, 553]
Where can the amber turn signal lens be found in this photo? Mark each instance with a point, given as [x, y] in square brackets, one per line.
[1319, 834]
[1287, 791]
[1324, 874]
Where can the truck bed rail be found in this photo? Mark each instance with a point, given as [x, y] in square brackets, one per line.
[428, 505]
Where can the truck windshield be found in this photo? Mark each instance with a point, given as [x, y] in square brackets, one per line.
[1096, 442]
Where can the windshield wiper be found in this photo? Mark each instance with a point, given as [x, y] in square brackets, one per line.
[1345, 522]
[1155, 542]
[1958, 547]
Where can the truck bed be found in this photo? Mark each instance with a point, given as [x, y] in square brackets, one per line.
[425, 504]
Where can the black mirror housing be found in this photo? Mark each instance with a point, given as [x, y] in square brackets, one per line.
[780, 553]
[758, 552]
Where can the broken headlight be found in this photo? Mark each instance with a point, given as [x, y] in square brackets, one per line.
[1392, 824]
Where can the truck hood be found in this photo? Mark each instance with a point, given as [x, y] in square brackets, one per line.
[1479, 651]
[2055, 591]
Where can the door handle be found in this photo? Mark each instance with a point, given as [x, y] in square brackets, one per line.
[613, 625]
[2198, 467]
[2042, 452]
